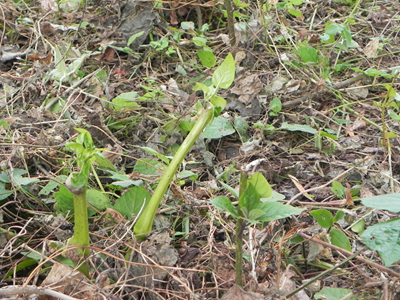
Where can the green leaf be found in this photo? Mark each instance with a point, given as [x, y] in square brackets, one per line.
[187, 25]
[333, 294]
[207, 58]
[51, 185]
[260, 184]
[218, 101]
[323, 217]
[224, 75]
[338, 238]
[98, 200]
[338, 189]
[389, 202]
[384, 238]
[276, 211]
[241, 127]
[339, 215]
[64, 199]
[308, 55]
[133, 37]
[276, 105]
[254, 215]
[4, 193]
[200, 41]
[201, 87]
[234, 192]
[103, 162]
[147, 166]
[125, 100]
[295, 12]
[187, 174]
[155, 153]
[297, 127]
[130, 203]
[250, 198]
[127, 183]
[224, 203]
[218, 128]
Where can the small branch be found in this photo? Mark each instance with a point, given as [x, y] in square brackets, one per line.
[33, 290]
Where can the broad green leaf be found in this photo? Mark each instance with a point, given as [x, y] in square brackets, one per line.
[254, 215]
[295, 12]
[333, 294]
[276, 105]
[334, 28]
[224, 203]
[276, 211]
[260, 184]
[147, 166]
[308, 55]
[224, 75]
[250, 199]
[218, 101]
[338, 189]
[125, 100]
[18, 180]
[64, 199]
[218, 128]
[389, 202]
[297, 127]
[207, 58]
[274, 197]
[98, 200]
[323, 217]
[338, 238]
[187, 174]
[130, 203]
[201, 87]
[200, 41]
[103, 162]
[241, 127]
[384, 238]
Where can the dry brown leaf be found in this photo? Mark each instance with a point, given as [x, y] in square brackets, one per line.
[299, 186]
[349, 198]
[371, 50]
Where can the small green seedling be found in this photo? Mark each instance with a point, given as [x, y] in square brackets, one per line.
[257, 203]
[326, 220]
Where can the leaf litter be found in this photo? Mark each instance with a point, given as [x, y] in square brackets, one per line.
[334, 77]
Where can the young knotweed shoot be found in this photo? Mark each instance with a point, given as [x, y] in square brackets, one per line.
[222, 78]
[85, 154]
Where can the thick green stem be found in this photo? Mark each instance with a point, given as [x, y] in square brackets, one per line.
[145, 222]
[81, 228]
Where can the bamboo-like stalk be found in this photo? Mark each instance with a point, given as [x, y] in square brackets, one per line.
[145, 221]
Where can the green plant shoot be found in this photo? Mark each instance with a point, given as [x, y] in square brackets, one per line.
[222, 78]
[85, 154]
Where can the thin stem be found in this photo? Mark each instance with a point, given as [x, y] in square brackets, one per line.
[240, 226]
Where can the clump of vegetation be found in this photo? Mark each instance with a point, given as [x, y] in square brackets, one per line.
[245, 142]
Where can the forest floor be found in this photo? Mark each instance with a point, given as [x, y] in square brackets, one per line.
[314, 108]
